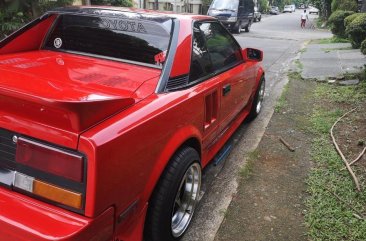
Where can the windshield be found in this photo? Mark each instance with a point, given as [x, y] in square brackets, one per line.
[225, 5]
[130, 39]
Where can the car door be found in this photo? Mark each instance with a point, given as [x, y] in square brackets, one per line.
[201, 75]
[228, 67]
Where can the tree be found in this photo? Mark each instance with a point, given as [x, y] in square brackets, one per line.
[263, 5]
[205, 6]
[206, 2]
[325, 7]
[15, 13]
[345, 5]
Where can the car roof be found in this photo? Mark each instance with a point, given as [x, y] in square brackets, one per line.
[98, 10]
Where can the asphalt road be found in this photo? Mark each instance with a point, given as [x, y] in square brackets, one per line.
[281, 38]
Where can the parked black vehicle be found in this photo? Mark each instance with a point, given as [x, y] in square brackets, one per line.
[233, 14]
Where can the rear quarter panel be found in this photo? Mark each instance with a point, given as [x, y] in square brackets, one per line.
[127, 153]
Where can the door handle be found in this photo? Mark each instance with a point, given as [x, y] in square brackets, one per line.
[226, 89]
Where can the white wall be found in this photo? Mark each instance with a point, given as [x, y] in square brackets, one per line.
[178, 5]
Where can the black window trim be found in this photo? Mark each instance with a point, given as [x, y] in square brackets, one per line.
[168, 65]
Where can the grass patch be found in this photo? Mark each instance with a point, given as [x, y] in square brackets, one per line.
[247, 169]
[327, 217]
[299, 64]
[281, 103]
[303, 50]
[327, 50]
[323, 119]
[331, 40]
[342, 94]
[294, 75]
[321, 23]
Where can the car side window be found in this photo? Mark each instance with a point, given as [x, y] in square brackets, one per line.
[223, 49]
[201, 65]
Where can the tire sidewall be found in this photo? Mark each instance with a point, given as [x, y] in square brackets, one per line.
[161, 217]
[253, 111]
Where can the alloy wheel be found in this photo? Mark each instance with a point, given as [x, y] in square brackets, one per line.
[186, 200]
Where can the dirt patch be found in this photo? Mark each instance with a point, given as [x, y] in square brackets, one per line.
[278, 183]
[269, 202]
[350, 134]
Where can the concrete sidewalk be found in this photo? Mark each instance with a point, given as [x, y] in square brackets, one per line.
[325, 61]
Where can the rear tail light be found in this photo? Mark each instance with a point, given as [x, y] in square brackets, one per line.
[50, 159]
[48, 191]
[51, 173]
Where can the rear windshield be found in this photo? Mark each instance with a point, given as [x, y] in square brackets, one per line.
[130, 39]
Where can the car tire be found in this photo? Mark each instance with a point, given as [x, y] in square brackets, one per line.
[247, 28]
[172, 204]
[260, 18]
[255, 19]
[258, 100]
[238, 28]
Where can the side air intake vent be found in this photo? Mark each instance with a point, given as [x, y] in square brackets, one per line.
[177, 83]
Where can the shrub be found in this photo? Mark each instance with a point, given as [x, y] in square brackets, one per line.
[15, 13]
[350, 18]
[336, 21]
[264, 6]
[363, 47]
[45, 5]
[10, 21]
[345, 5]
[356, 30]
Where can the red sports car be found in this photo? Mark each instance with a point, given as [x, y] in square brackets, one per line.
[107, 117]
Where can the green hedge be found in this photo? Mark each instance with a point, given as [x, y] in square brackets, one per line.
[356, 30]
[346, 5]
[10, 21]
[336, 22]
[350, 18]
[16, 13]
[363, 47]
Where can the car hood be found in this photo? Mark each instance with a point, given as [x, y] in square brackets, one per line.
[68, 91]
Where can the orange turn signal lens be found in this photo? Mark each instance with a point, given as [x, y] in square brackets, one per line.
[57, 194]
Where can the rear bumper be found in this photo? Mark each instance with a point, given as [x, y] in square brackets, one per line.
[25, 219]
